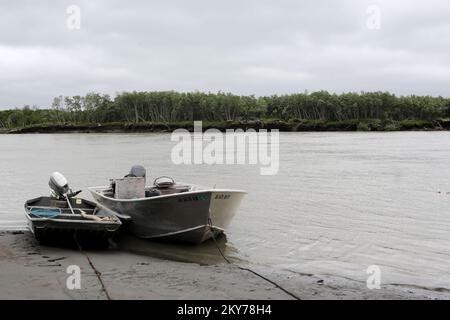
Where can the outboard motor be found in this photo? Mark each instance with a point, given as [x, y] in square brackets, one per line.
[137, 171]
[58, 185]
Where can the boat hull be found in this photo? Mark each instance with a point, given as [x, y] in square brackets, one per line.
[188, 217]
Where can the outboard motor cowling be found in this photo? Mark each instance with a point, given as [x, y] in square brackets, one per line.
[58, 184]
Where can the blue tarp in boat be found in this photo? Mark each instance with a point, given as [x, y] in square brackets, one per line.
[45, 213]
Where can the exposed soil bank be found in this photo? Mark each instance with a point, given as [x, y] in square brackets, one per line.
[283, 126]
[31, 271]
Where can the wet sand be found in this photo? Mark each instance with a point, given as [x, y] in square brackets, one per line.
[130, 271]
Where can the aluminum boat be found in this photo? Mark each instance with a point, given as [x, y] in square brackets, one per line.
[169, 210]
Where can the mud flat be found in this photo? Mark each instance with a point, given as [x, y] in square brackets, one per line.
[31, 271]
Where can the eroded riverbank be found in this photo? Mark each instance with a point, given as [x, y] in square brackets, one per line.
[294, 125]
[31, 271]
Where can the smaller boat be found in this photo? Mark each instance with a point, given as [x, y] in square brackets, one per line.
[62, 217]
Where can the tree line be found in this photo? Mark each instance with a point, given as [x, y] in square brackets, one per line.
[170, 107]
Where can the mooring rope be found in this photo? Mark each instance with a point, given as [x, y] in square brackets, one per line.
[248, 269]
[97, 273]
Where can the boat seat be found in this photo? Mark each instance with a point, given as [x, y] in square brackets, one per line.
[58, 203]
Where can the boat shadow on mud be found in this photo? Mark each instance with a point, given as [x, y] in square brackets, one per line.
[206, 253]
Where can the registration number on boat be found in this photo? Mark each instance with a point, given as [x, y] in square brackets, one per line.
[223, 196]
[199, 197]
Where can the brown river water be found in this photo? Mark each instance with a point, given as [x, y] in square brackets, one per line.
[339, 203]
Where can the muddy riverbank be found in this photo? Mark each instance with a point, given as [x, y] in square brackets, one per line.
[31, 271]
[281, 125]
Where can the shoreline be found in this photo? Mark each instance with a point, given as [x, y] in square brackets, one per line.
[282, 126]
[133, 269]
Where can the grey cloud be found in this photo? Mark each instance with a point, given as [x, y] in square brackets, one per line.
[246, 47]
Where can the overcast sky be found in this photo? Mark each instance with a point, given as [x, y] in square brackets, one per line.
[244, 47]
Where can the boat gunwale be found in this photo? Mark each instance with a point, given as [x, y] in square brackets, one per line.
[97, 189]
[28, 214]
[74, 221]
